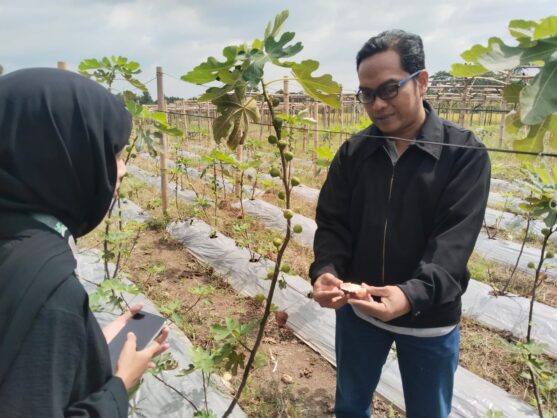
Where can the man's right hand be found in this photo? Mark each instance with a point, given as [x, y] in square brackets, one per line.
[326, 292]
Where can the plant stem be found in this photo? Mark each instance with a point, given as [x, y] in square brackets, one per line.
[274, 280]
[530, 316]
[120, 228]
[193, 306]
[536, 392]
[242, 193]
[176, 391]
[536, 285]
[205, 390]
[215, 179]
[504, 290]
[487, 231]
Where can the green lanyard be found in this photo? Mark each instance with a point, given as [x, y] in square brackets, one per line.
[51, 222]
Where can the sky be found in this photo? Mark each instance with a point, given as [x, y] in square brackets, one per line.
[180, 34]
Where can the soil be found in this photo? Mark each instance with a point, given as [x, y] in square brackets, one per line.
[296, 382]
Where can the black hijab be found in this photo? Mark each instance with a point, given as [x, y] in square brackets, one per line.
[59, 136]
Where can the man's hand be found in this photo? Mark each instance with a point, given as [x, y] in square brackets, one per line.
[327, 293]
[393, 304]
[115, 326]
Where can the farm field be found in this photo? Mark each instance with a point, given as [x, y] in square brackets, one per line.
[213, 225]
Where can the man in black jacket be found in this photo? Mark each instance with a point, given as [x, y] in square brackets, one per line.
[400, 211]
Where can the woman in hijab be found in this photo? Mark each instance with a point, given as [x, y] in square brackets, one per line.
[61, 136]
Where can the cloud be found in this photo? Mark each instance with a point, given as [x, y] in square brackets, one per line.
[179, 34]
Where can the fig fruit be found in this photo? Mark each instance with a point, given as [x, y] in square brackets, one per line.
[274, 172]
[354, 290]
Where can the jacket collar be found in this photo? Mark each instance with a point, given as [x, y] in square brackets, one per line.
[431, 131]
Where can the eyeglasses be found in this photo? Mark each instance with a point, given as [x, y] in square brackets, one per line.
[385, 92]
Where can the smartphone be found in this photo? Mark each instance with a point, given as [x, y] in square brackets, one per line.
[144, 325]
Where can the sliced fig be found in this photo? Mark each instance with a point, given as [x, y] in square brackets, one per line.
[354, 289]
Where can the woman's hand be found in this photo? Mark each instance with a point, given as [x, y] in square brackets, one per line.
[115, 326]
[133, 364]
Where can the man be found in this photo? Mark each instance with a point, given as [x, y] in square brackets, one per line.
[400, 211]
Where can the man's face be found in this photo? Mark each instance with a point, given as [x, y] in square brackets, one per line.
[403, 115]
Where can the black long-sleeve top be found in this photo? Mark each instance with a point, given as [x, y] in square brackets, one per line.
[412, 224]
[62, 369]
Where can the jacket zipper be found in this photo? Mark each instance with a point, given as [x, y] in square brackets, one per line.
[386, 222]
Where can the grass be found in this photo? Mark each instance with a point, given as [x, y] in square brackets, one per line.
[484, 351]
[497, 275]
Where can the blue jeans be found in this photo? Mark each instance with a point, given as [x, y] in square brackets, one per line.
[427, 366]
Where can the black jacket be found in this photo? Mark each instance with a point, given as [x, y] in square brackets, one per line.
[413, 224]
[55, 360]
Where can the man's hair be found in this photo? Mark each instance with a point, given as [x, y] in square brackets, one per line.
[408, 46]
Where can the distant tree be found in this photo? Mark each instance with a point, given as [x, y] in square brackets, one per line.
[172, 99]
[441, 75]
[146, 98]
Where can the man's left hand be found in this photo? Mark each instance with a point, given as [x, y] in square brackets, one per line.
[393, 303]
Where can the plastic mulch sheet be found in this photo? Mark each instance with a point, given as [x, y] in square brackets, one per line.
[155, 399]
[473, 396]
[155, 181]
[208, 176]
[502, 251]
[506, 313]
[515, 223]
[272, 217]
[510, 313]
[505, 187]
[506, 252]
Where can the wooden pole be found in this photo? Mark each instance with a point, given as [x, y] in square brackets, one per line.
[240, 157]
[209, 124]
[464, 103]
[316, 131]
[164, 144]
[341, 110]
[503, 115]
[61, 65]
[286, 96]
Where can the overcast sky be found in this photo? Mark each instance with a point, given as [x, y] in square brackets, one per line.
[179, 34]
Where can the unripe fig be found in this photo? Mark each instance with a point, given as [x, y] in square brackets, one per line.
[274, 172]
